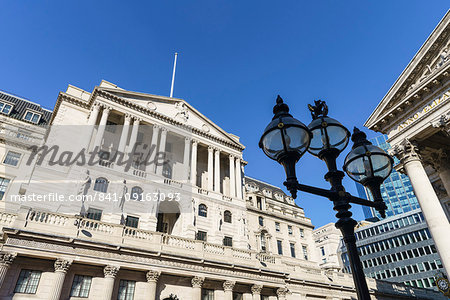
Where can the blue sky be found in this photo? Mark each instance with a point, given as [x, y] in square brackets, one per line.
[235, 57]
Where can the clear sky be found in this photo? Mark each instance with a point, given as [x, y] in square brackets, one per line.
[235, 57]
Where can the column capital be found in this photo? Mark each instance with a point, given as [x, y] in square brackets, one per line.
[256, 289]
[137, 120]
[7, 258]
[231, 156]
[156, 127]
[163, 129]
[128, 117]
[210, 148]
[96, 106]
[228, 285]
[406, 151]
[282, 291]
[106, 109]
[197, 281]
[152, 276]
[217, 149]
[110, 271]
[62, 265]
[443, 123]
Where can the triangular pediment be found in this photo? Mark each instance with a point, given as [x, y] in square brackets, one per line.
[432, 59]
[175, 109]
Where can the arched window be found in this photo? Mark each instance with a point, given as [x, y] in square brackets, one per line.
[101, 185]
[136, 193]
[261, 221]
[227, 216]
[202, 210]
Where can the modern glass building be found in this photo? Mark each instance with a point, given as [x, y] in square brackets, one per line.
[396, 190]
[397, 249]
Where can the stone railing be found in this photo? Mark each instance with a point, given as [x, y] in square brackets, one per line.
[106, 163]
[172, 182]
[47, 218]
[7, 219]
[138, 173]
[266, 258]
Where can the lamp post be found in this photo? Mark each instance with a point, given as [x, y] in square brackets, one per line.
[286, 139]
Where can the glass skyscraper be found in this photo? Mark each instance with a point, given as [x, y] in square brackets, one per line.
[396, 190]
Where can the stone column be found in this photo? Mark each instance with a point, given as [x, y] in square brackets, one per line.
[217, 171]
[210, 168]
[134, 133]
[429, 202]
[154, 147]
[110, 273]
[186, 154]
[152, 280]
[94, 114]
[238, 178]
[194, 163]
[228, 289]
[101, 127]
[256, 291]
[232, 177]
[197, 283]
[282, 292]
[161, 151]
[124, 134]
[61, 268]
[6, 260]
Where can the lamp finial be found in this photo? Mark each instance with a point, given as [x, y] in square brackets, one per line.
[319, 108]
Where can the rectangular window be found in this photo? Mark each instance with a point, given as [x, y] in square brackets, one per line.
[5, 108]
[238, 296]
[302, 233]
[280, 247]
[290, 229]
[322, 250]
[12, 158]
[110, 126]
[32, 117]
[201, 236]
[28, 282]
[3, 185]
[94, 214]
[132, 221]
[126, 290]
[228, 241]
[259, 202]
[292, 246]
[81, 286]
[207, 294]
[305, 252]
[277, 227]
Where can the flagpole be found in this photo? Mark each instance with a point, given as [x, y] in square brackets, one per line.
[173, 74]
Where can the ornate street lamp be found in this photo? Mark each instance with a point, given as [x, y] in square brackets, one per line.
[286, 139]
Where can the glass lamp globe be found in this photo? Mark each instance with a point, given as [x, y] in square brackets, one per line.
[328, 133]
[366, 163]
[285, 138]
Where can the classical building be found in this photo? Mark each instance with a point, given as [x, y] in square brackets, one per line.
[397, 249]
[415, 114]
[137, 196]
[327, 240]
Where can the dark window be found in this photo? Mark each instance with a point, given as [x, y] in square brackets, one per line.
[322, 250]
[238, 296]
[261, 221]
[81, 286]
[202, 210]
[207, 294]
[227, 216]
[290, 229]
[280, 247]
[94, 214]
[259, 202]
[101, 185]
[28, 282]
[292, 247]
[305, 252]
[12, 158]
[3, 185]
[126, 290]
[277, 227]
[5, 108]
[132, 221]
[110, 126]
[228, 241]
[201, 236]
[136, 193]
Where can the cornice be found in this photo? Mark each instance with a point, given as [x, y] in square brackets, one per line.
[70, 99]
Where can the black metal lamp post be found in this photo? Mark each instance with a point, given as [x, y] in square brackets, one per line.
[286, 139]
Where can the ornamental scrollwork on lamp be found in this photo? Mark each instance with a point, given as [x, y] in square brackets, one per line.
[62, 265]
[153, 276]
[319, 108]
[6, 259]
[197, 281]
[111, 271]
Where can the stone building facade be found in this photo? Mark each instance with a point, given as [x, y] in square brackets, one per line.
[140, 196]
[327, 239]
[415, 114]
